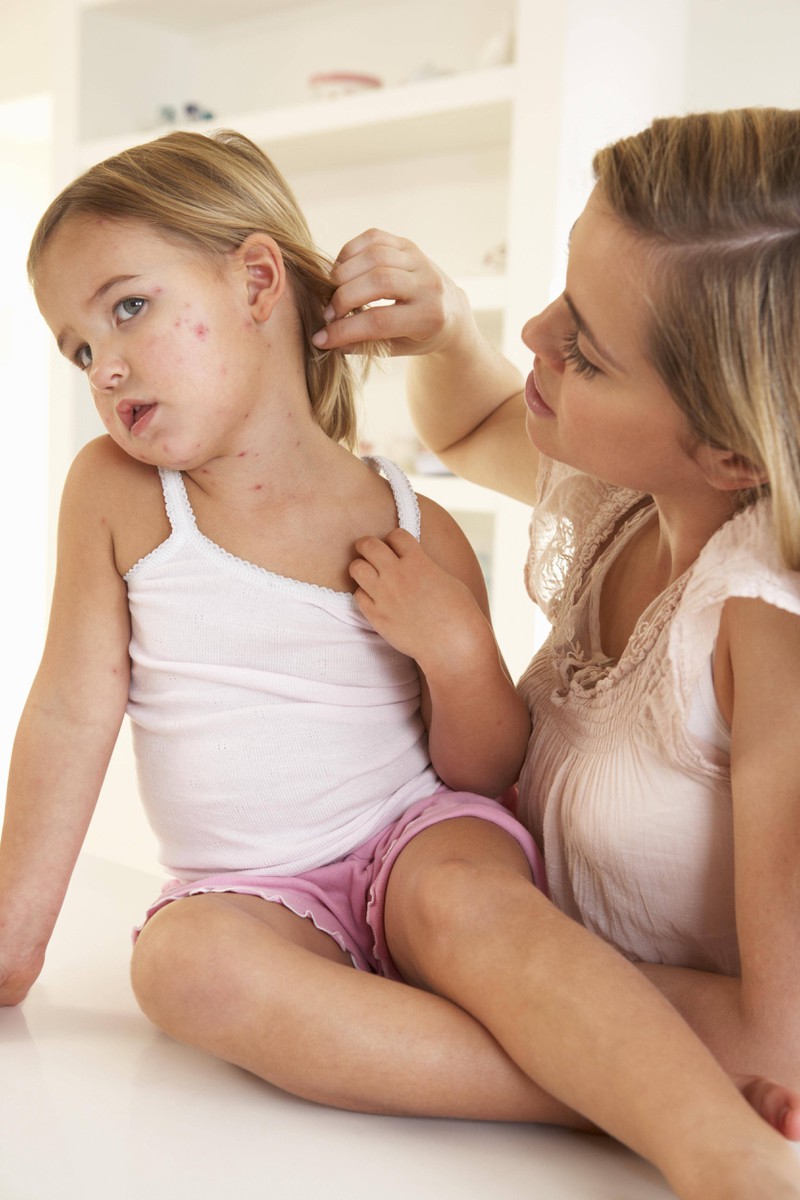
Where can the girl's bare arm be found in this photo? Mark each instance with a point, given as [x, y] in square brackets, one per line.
[430, 602]
[66, 733]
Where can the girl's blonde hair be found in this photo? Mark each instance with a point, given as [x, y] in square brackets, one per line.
[213, 192]
[718, 197]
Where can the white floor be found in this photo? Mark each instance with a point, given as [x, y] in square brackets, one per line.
[94, 1102]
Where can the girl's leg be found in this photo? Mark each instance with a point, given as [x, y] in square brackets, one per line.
[463, 921]
[252, 983]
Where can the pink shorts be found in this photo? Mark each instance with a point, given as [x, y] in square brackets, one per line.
[345, 899]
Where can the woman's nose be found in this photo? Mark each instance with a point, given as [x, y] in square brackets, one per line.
[543, 334]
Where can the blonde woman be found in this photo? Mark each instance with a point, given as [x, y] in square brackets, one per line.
[658, 438]
[314, 757]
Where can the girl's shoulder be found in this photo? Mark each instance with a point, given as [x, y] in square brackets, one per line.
[105, 487]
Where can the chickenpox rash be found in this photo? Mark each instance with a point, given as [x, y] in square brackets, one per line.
[257, 487]
[201, 331]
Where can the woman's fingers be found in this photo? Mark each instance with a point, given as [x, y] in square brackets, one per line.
[387, 290]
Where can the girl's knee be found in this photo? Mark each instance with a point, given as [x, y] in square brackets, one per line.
[439, 912]
[173, 965]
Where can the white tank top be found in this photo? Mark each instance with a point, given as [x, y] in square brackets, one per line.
[274, 730]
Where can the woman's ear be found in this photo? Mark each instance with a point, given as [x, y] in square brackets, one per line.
[260, 260]
[728, 471]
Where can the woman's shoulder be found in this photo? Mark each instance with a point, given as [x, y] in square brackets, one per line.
[741, 561]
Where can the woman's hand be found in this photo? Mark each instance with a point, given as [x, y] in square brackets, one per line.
[425, 307]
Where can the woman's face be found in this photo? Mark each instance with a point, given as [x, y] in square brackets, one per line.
[595, 401]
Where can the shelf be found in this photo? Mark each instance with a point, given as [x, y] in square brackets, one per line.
[175, 14]
[455, 112]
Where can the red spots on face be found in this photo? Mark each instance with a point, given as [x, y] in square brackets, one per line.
[201, 331]
[242, 454]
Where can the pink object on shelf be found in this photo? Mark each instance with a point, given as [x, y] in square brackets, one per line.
[329, 85]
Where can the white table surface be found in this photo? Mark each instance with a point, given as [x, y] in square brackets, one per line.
[95, 1102]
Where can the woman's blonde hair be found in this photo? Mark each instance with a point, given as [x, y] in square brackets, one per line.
[213, 192]
[718, 197]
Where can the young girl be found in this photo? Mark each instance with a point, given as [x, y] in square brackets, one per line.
[663, 412]
[227, 568]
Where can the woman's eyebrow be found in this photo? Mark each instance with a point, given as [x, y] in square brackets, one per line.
[587, 333]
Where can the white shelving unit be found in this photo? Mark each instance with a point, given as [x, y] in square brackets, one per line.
[445, 153]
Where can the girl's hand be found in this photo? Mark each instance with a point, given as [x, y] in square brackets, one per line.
[426, 306]
[418, 607]
[17, 979]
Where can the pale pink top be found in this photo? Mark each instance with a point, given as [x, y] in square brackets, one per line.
[626, 791]
[274, 729]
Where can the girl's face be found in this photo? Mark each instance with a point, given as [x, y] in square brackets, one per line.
[594, 399]
[164, 336]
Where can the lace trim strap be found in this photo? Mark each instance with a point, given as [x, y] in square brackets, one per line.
[405, 498]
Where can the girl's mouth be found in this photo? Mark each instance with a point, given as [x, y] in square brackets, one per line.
[135, 417]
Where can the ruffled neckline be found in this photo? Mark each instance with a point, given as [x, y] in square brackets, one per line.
[587, 671]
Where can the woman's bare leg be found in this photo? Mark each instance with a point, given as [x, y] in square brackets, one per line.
[463, 920]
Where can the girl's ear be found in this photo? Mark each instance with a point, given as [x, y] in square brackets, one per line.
[264, 273]
[728, 471]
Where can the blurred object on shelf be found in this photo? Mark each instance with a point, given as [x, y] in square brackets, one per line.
[190, 113]
[427, 70]
[495, 258]
[497, 50]
[197, 112]
[331, 85]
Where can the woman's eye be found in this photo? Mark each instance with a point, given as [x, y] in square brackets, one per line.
[129, 307]
[83, 357]
[572, 354]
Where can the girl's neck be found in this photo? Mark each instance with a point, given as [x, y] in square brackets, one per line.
[272, 460]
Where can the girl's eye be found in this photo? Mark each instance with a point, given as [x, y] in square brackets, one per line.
[129, 307]
[83, 357]
[572, 355]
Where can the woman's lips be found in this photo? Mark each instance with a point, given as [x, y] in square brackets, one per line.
[533, 398]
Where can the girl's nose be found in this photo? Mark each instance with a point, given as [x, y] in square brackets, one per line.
[107, 371]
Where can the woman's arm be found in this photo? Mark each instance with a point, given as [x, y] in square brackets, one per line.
[66, 733]
[429, 601]
[465, 398]
[752, 1023]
